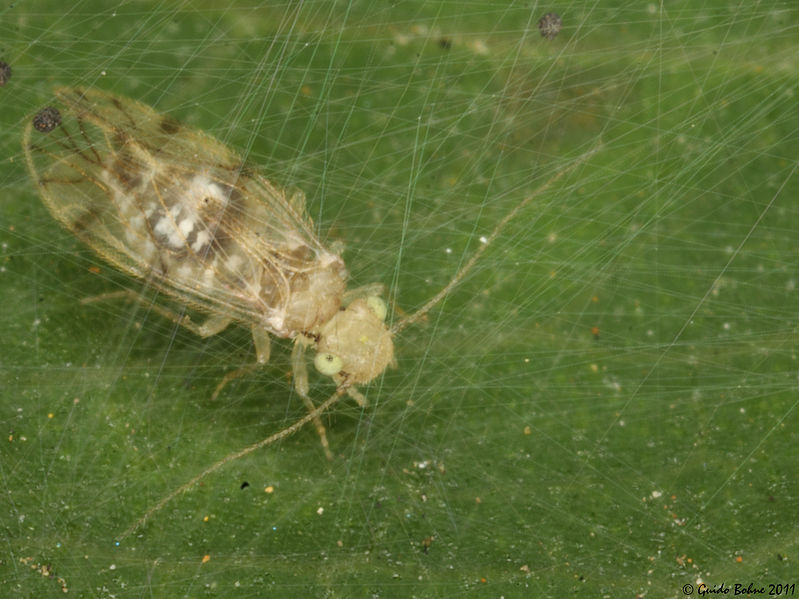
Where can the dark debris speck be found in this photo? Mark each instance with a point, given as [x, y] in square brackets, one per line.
[550, 25]
[47, 119]
[5, 73]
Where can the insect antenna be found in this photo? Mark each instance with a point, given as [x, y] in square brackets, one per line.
[416, 316]
[278, 436]
[347, 386]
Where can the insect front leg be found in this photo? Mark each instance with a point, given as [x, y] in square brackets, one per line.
[263, 344]
[359, 397]
[300, 373]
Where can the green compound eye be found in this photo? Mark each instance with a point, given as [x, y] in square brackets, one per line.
[378, 306]
[327, 363]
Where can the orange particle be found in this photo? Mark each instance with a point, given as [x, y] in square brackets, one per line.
[205, 518]
[527, 430]
[94, 269]
[206, 558]
[269, 489]
[739, 559]
[483, 580]
[595, 331]
[306, 91]
[427, 542]
[594, 299]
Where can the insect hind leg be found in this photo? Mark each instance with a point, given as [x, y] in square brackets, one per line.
[208, 328]
[262, 343]
[232, 376]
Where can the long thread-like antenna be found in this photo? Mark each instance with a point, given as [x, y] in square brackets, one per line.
[412, 318]
[282, 434]
[340, 391]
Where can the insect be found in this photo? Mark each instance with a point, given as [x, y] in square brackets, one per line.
[177, 208]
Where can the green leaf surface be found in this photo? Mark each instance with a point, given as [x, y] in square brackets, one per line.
[606, 405]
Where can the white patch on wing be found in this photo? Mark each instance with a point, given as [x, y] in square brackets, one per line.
[148, 249]
[234, 261]
[209, 277]
[165, 228]
[136, 222]
[203, 237]
[187, 272]
[186, 226]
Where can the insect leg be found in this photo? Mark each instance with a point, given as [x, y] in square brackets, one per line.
[262, 343]
[208, 328]
[359, 397]
[232, 376]
[286, 432]
[260, 338]
[300, 373]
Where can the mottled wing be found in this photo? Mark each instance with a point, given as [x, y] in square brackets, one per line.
[174, 206]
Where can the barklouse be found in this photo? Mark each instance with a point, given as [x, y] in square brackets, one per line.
[177, 208]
